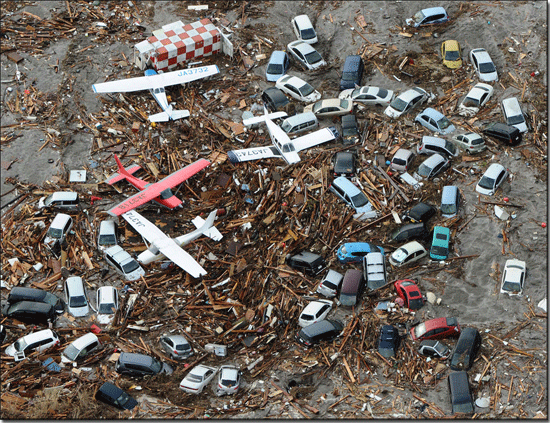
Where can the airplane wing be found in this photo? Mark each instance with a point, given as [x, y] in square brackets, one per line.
[315, 138]
[156, 81]
[154, 190]
[164, 243]
[254, 153]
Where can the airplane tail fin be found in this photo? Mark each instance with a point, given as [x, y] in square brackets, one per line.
[170, 113]
[123, 172]
[206, 226]
[257, 119]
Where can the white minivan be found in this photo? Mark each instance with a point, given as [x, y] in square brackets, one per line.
[513, 114]
[304, 30]
[80, 347]
[75, 296]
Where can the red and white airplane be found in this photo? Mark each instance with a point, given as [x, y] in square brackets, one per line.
[159, 191]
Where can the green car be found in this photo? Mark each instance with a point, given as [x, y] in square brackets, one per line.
[440, 243]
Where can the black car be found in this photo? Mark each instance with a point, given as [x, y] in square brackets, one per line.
[459, 390]
[113, 395]
[421, 212]
[434, 349]
[345, 164]
[274, 99]
[132, 364]
[350, 130]
[388, 341]
[466, 349]
[325, 330]
[506, 134]
[20, 293]
[309, 263]
[410, 231]
[30, 312]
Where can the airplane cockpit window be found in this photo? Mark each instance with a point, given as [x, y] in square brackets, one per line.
[167, 193]
[287, 148]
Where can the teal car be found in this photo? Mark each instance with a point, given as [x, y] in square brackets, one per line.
[440, 243]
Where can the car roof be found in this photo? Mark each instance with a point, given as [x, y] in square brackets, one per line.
[434, 114]
[321, 326]
[84, 340]
[408, 95]
[478, 90]
[75, 283]
[302, 46]
[106, 226]
[135, 357]
[512, 262]
[229, 372]
[106, 293]
[482, 55]
[327, 102]
[303, 20]
[118, 254]
[292, 80]
[201, 369]
[178, 339]
[316, 305]
[345, 184]
[277, 56]
[512, 104]
[64, 195]
[60, 220]
[413, 246]
[433, 160]
[434, 10]
[493, 170]
[41, 334]
[451, 44]
[402, 153]
[306, 255]
[428, 139]
[357, 246]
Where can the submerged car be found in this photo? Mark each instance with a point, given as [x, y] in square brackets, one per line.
[112, 395]
[330, 283]
[433, 145]
[483, 65]
[476, 98]
[431, 15]
[374, 270]
[434, 349]
[350, 130]
[408, 290]
[432, 166]
[440, 243]
[135, 364]
[176, 346]
[307, 262]
[406, 101]
[401, 160]
[469, 142]
[408, 253]
[435, 121]
[353, 252]
[451, 54]
[277, 66]
[303, 29]
[306, 56]
[298, 89]
[491, 179]
[330, 107]
[36, 341]
[229, 380]
[388, 341]
[410, 231]
[325, 330]
[354, 197]
[439, 328]
[513, 114]
[58, 230]
[513, 277]
[368, 95]
[314, 312]
[199, 376]
[421, 212]
[123, 263]
[107, 304]
[344, 164]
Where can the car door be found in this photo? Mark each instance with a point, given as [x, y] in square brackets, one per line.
[293, 91]
[321, 311]
[483, 99]
[499, 179]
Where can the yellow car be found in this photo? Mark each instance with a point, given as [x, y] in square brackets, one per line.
[451, 54]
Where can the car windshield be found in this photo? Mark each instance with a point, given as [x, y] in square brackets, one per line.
[470, 102]
[440, 348]
[451, 147]
[313, 57]
[275, 68]
[441, 236]
[511, 286]
[228, 382]
[156, 366]
[78, 301]
[307, 34]
[359, 200]
[418, 17]
[382, 93]
[443, 123]
[329, 285]
[48, 200]
[130, 266]
[307, 317]
[106, 308]
[487, 183]
[344, 104]
[349, 131]
[415, 304]
[398, 104]
[452, 55]
[399, 161]
[194, 378]
[488, 67]
[424, 170]
[420, 330]
[20, 344]
[123, 399]
[448, 208]
[55, 233]
[439, 251]
[514, 120]
[400, 254]
[71, 352]
[183, 347]
[286, 127]
[306, 89]
[348, 76]
[107, 240]
[344, 249]
[355, 92]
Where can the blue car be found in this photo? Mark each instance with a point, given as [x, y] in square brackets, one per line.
[353, 252]
[440, 244]
[429, 16]
[277, 66]
[435, 121]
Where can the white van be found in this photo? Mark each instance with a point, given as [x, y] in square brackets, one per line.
[36, 341]
[513, 114]
[80, 347]
[123, 263]
[75, 296]
[301, 122]
[67, 200]
[304, 29]
[107, 235]
[59, 228]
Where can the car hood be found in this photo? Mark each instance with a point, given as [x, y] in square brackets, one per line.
[105, 319]
[345, 94]
[391, 112]
[10, 350]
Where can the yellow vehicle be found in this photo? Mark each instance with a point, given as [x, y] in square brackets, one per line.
[451, 54]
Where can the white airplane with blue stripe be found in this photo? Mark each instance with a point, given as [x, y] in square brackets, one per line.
[155, 83]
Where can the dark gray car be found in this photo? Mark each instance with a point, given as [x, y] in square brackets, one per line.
[132, 364]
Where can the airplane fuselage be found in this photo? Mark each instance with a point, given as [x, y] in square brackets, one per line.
[282, 142]
[159, 94]
[166, 198]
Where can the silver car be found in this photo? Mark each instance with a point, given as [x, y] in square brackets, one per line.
[305, 55]
[229, 380]
[470, 142]
[330, 284]
[176, 346]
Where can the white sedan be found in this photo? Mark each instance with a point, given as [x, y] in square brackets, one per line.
[314, 312]
[305, 54]
[368, 95]
[298, 88]
[478, 96]
[406, 101]
[330, 107]
[483, 65]
[513, 277]
[195, 381]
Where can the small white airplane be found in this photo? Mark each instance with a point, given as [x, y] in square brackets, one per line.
[155, 83]
[283, 146]
[162, 246]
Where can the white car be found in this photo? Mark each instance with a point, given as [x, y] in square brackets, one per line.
[314, 312]
[408, 253]
[302, 27]
[229, 380]
[469, 141]
[478, 96]
[483, 65]
[195, 381]
[330, 107]
[405, 102]
[107, 304]
[36, 341]
[58, 230]
[298, 88]
[491, 179]
[368, 95]
[513, 277]
[330, 284]
[305, 54]
[75, 297]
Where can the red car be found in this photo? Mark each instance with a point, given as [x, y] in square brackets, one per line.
[439, 328]
[409, 291]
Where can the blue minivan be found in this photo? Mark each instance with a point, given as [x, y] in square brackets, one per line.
[440, 243]
[277, 66]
